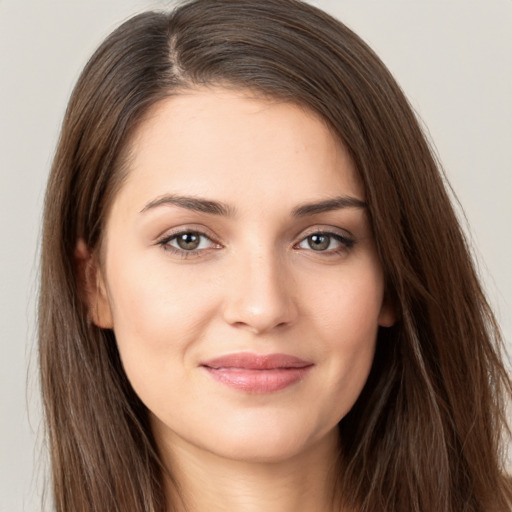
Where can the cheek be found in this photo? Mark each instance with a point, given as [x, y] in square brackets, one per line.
[157, 315]
[346, 316]
[156, 296]
[348, 305]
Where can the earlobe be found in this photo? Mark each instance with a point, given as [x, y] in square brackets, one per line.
[92, 286]
[387, 315]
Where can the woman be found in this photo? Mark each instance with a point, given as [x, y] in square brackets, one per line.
[255, 293]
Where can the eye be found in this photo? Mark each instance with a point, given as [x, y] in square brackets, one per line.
[326, 242]
[187, 242]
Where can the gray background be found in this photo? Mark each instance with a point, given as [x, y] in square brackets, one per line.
[452, 57]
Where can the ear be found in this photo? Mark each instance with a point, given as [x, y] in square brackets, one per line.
[92, 286]
[388, 314]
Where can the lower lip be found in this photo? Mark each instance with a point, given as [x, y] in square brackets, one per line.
[258, 381]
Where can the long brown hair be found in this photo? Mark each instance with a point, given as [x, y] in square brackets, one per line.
[428, 430]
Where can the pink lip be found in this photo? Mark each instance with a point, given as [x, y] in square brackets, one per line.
[257, 373]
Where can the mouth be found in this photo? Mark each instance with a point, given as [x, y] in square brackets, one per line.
[254, 373]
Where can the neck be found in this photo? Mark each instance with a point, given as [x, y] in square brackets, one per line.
[207, 482]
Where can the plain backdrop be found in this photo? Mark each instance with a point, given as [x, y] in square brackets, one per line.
[453, 58]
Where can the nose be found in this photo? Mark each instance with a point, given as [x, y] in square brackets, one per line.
[259, 295]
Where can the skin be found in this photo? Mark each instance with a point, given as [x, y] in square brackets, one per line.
[256, 283]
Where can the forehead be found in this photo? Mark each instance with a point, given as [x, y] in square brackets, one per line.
[238, 146]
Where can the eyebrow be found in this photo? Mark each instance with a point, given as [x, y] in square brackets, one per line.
[199, 204]
[336, 203]
[191, 203]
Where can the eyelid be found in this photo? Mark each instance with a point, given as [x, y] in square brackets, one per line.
[327, 230]
[344, 237]
[186, 228]
[164, 239]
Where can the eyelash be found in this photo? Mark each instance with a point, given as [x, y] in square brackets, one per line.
[183, 253]
[346, 243]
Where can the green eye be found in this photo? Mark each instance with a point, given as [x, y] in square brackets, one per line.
[319, 242]
[187, 242]
[326, 242]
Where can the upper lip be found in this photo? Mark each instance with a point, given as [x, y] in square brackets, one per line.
[249, 361]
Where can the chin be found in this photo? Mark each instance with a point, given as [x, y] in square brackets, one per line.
[260, 450]
[267, 442]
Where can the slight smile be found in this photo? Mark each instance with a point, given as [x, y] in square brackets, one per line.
[254, 373]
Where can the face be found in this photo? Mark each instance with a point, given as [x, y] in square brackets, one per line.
[240, 276]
